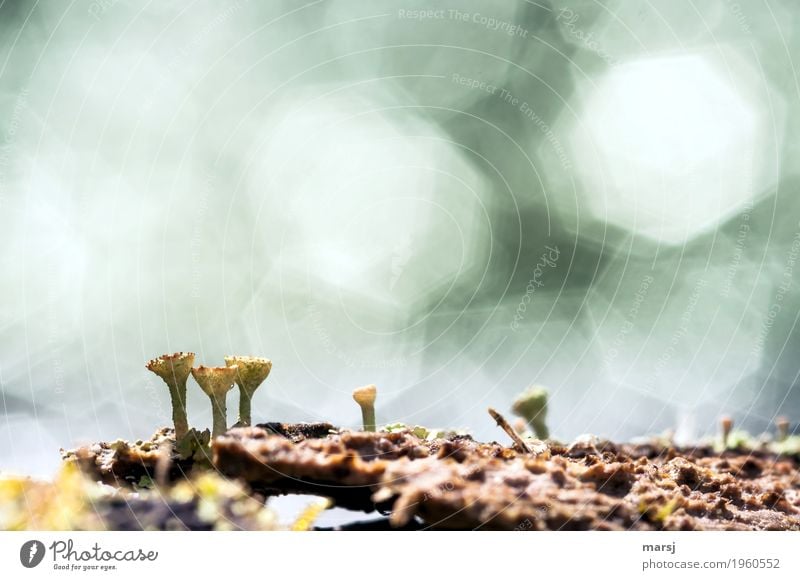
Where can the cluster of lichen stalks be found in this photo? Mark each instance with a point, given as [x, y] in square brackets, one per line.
[249, 372]
[246, 372]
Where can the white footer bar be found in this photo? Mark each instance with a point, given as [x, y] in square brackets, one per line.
[390, 555]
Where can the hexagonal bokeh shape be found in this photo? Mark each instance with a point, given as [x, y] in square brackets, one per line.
[383, 207]
[666, 147]
[379, 217]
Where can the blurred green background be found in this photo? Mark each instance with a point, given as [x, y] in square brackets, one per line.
[453, 200]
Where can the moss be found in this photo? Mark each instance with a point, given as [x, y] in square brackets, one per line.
[195, 446]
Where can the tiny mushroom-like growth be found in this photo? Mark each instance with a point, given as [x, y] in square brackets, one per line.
[252, 371]
[726, 424]
[216, 382]
[365, 397]
[782, 423]
[531, 405]
[174, 370]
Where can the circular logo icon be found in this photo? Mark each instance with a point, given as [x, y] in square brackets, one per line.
[31, 553]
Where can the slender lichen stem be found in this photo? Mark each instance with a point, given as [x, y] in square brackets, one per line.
[177, 395]
[365, 397]
[368, 418]
[783, 428]
[540, 427]
[726, 424]
[219, 410]
[245, 402]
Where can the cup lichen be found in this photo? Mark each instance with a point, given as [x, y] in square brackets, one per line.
[365, 397]
[216, 382]
[174, 370]
[252, 371]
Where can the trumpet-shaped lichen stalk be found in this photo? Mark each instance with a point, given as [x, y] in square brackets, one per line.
[252, 372]
[726, 423]
[365, 397]
[216, 382]
[532, 406]
[174, 370]
[782, 423]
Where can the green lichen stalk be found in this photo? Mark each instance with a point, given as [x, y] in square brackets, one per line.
[532, 406]
[726, 427]
[782, 423]
[216, 382]
[174, 370]
[252, 371]
[365, 397]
